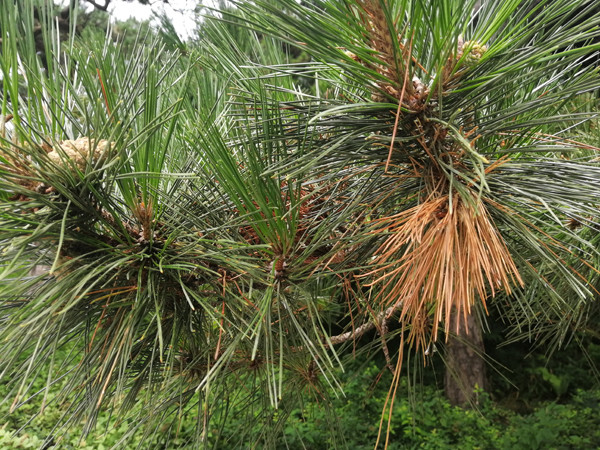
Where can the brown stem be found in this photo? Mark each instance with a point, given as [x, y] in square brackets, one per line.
[383, 332]
[358, 332]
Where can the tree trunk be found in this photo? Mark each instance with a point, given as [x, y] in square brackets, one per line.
[465, 365]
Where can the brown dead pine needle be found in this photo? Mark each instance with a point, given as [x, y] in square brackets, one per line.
[437, 258]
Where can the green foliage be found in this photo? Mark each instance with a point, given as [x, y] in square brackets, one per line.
[572, 425]
[208, 234]
[422, 418]
[31, 426]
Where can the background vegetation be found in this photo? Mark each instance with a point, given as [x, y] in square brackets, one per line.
[545, 404]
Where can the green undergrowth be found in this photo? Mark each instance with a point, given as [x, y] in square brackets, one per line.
[425, 419]
[422, 417]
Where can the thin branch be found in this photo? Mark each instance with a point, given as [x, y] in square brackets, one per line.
[98, 6]
[386, 351]
[358, 332]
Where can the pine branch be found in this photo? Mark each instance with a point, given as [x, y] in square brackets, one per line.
[381, 317]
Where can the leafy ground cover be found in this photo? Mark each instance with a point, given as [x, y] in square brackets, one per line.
[547, 404]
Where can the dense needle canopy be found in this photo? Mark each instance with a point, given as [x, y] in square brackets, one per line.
[218, 227]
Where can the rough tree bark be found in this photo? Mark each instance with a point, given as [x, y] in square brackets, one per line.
[465, 364]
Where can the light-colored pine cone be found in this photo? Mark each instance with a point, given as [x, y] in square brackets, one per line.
[475, 51]
[80, 152]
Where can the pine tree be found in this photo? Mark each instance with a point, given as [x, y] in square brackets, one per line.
[219, 232]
